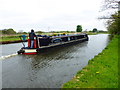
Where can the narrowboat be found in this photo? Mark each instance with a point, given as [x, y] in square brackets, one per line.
[43, 42]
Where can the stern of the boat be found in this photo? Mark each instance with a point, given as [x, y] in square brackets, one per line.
[27, 51]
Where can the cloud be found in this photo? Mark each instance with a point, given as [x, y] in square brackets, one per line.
[56, 14]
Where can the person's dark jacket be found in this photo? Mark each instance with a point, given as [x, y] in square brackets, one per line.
[32, 35]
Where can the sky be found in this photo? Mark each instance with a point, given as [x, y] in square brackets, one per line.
[50, 15]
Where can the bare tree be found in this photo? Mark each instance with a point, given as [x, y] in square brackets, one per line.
[110, 4]
[113, 22]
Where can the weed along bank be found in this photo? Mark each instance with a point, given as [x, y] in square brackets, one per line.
[43, 42]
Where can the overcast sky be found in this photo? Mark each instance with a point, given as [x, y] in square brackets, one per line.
[49, 15]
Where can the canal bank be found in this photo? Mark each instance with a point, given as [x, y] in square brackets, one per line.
[9, 42]
[8, 39]
[101, 71]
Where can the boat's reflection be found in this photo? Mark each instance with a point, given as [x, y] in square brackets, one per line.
[48, 57]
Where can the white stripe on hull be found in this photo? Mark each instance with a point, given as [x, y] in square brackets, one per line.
[30, 50]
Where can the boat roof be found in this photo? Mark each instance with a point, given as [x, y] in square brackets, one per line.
[61, 36]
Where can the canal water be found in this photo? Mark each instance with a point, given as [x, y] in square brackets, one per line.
[49, 69]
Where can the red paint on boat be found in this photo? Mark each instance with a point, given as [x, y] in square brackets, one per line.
[28, 42]
[29, 53]
[34, 43]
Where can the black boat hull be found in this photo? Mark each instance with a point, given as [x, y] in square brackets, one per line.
[28, 51]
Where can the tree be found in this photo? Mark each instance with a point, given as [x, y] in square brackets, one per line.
[21, 32]
[113, 25]
[113, 22]
[79, 28]
[4, 31]
[95, 30]
[8, 31]
[110, 4]
[107, 5]
[11, 31]
[40, 32]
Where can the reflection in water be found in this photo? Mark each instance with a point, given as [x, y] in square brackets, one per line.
[52, 68]
[44, 60]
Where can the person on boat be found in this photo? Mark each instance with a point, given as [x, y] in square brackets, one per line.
[31, 36]
[23, 37]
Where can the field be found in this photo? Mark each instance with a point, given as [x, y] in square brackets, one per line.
[14, 37]
[101, 71]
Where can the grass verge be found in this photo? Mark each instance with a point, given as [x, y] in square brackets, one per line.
[101, 71]
[10, 38]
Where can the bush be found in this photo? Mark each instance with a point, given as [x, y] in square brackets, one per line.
[8, 31]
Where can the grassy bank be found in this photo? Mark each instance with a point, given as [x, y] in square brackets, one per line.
[101, 71]
[95, 33]
[10, 37]
[91, 33]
